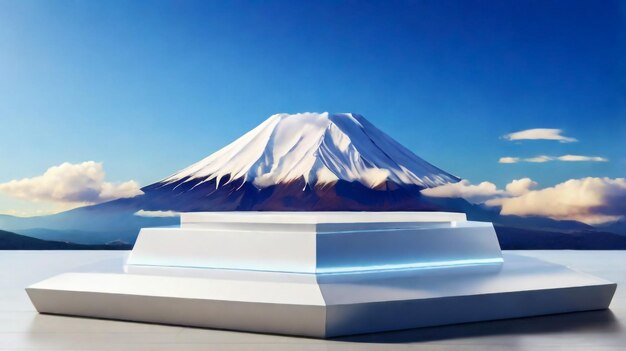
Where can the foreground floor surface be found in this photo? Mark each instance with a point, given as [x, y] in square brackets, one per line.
[21, 328]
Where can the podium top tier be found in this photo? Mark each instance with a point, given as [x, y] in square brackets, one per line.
[318, 242]
[339, 217]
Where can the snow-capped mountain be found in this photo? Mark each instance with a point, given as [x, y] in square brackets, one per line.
[303, 162]
[318, 148]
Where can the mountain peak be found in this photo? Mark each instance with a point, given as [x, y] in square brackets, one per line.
[320, 148]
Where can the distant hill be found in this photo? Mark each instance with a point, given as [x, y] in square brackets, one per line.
[90, 225]
[528, 239]
[12, 241]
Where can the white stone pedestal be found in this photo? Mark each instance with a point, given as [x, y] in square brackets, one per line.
[322, 274]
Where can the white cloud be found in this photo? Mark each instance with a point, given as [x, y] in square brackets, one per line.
[539, 134]
[589, 200]
[580, 158]
[520, 186]
[473, 193]
[144, 213]
[82, 183]
[539, 159]
[509, 160]
[544, 158]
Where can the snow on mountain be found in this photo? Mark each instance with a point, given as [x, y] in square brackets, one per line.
[320, 148]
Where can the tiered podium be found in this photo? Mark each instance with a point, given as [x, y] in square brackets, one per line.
[322, 274]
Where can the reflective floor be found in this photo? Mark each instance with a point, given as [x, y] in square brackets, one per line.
[21, 328]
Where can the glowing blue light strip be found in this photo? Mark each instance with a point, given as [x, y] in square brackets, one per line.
[408, 266]
[352, 269]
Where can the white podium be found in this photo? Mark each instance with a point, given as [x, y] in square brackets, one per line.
[322, 274]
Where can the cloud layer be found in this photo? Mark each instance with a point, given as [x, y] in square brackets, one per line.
[589, 200]
[82, 183]
[539, 134]
[544, 158]
[473, 193]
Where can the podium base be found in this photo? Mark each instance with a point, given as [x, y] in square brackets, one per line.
[324, 305]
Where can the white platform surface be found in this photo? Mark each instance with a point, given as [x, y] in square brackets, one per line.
[22, 328]
[355, 247]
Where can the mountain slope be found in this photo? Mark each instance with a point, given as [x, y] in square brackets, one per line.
[303, 162]
[316, 148]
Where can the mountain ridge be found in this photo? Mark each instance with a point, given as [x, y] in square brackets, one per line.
[317, 147]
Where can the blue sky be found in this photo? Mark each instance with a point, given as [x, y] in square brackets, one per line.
[150, 87]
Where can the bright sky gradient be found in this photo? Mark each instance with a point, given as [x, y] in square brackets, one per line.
[150, 87]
